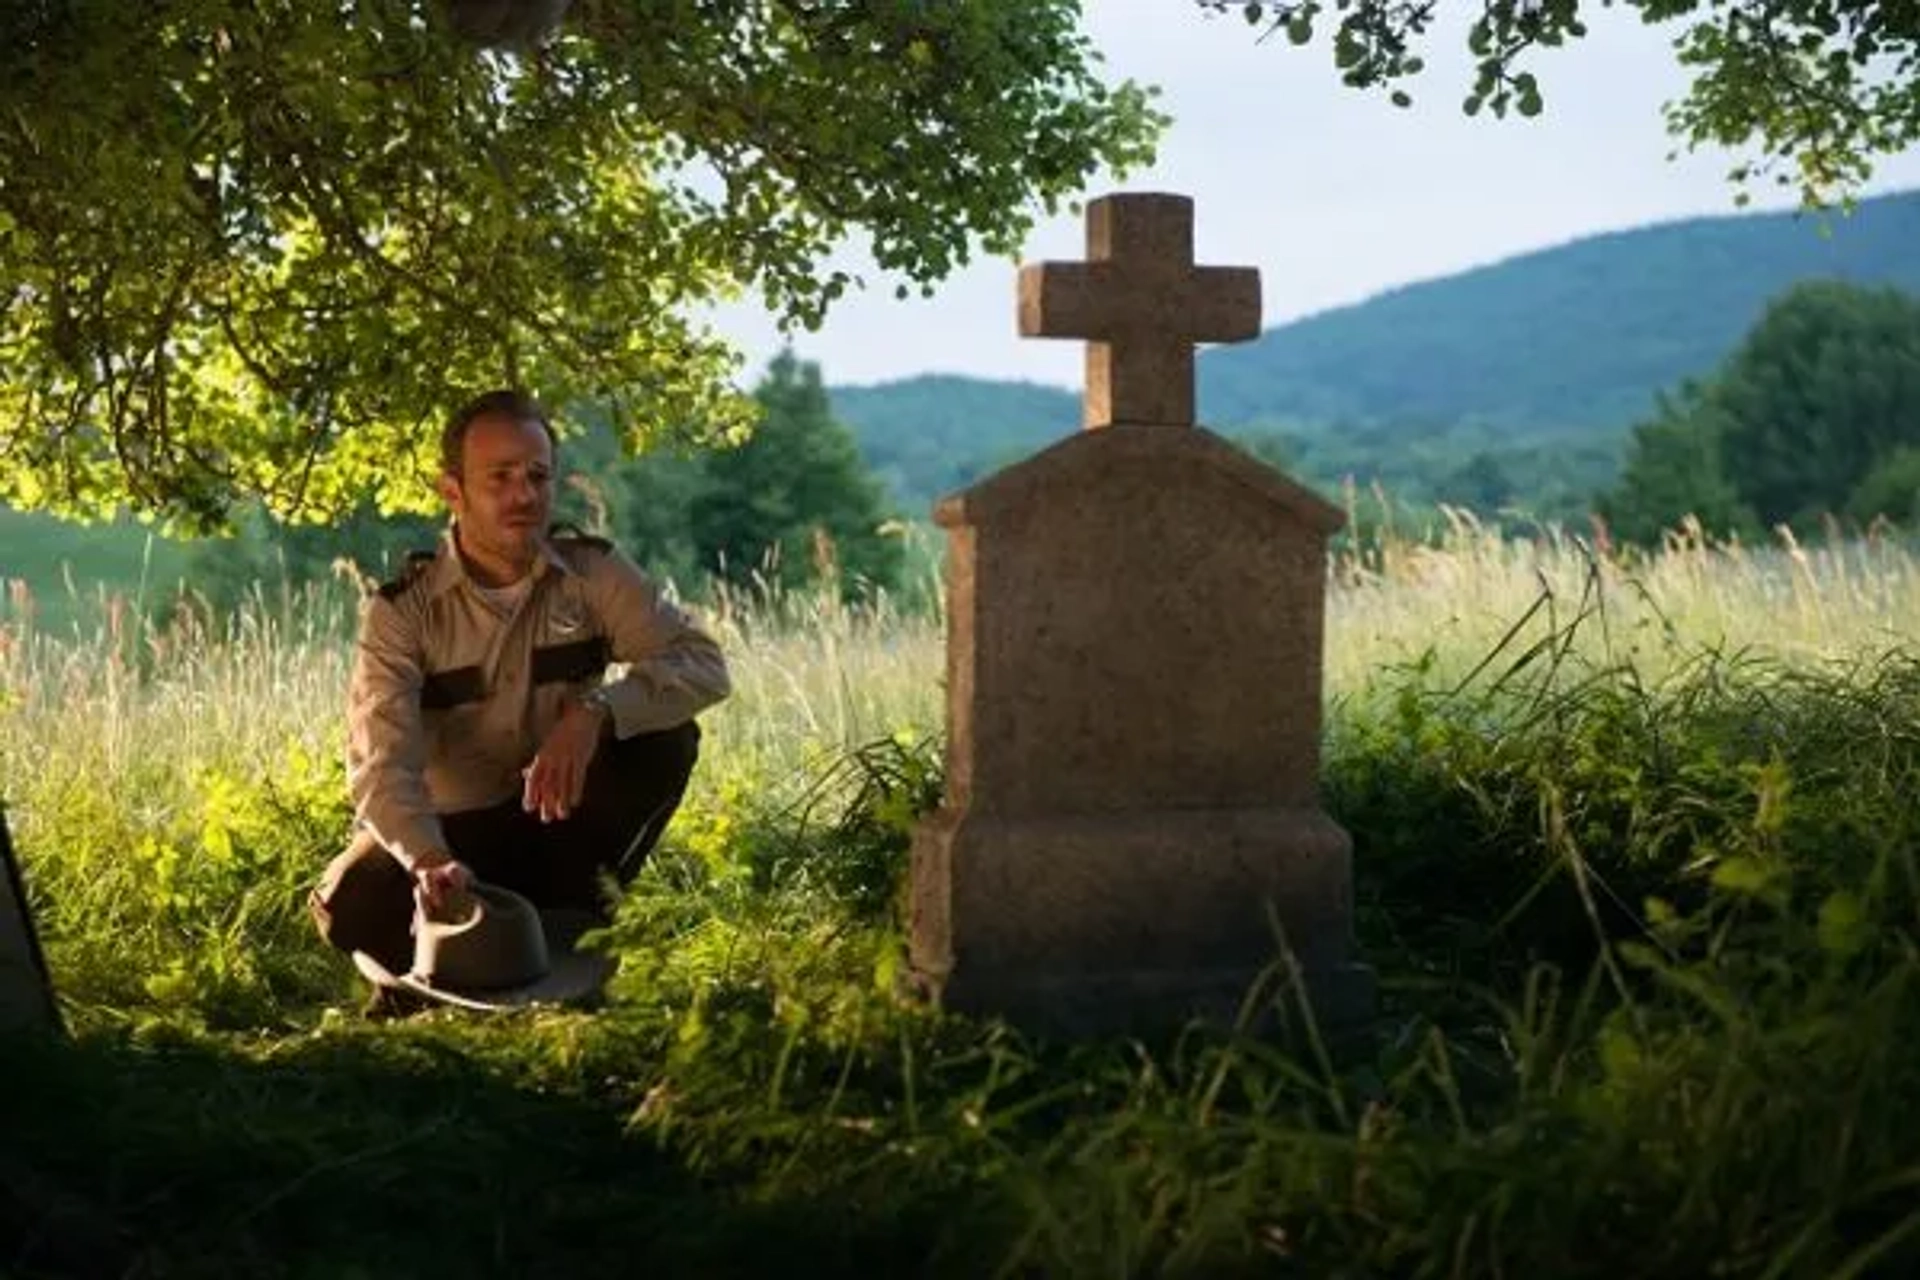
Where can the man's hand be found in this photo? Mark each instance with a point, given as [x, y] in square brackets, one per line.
[438, 881]
[558, 775]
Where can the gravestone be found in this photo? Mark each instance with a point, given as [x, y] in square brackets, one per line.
[26, 994]
[1131, 823]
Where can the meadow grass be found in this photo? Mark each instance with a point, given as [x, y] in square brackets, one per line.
[1635, 857]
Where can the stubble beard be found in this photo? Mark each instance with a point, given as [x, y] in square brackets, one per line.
[513, 547]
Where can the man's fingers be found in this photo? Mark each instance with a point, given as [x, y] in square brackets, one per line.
[553, 787]
[548, 796]
[555, 783]
[539, 784]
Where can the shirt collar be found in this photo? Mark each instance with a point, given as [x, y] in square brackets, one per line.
[448, 569]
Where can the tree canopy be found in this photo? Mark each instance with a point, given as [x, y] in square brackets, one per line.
[1816, 413]
[256, 249]
[1817, 87]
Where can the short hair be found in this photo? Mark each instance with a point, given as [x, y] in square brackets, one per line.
[507, 402]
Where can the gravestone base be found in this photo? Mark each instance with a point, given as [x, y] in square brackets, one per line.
[1137, 922]
[1156, 1004]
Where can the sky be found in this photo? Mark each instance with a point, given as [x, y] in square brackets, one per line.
[1333, 193]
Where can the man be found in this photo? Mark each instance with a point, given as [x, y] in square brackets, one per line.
[483, 738]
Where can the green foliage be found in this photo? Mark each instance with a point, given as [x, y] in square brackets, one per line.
[1826, 384]
[794, 502]
[1890, 490]
[1820, 89]
[261, 549]
[215, 933]
[259, 251]
[1646, 933]
[56, 560]
[1649, 962]
[1676, 468]
[650, 500]
[1815, 413]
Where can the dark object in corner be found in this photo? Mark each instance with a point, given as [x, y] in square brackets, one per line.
[26, 990]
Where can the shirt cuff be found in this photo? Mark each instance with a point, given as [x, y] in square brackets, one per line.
[413, 838]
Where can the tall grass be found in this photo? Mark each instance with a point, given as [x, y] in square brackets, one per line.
[1456, 590]
[1636, 851]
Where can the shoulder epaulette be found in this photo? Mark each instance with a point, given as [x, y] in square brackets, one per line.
[574, 533]
[417, 562]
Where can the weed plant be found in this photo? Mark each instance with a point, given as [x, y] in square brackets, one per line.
[1635, 850]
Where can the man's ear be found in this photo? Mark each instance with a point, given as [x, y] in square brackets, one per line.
[448, 486]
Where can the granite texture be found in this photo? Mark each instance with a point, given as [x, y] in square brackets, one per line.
[1131, 836]
[1134, 712]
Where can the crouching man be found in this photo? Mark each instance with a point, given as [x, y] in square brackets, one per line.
[484, 739]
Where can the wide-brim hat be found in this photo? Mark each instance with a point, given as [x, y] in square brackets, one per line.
[494, 950]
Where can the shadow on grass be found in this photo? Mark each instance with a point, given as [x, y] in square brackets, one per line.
[365, 1153]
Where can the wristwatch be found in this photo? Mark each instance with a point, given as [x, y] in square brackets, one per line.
[596, 699]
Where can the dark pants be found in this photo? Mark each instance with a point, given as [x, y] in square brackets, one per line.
[364, 901]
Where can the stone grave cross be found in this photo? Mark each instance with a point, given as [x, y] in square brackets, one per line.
[1131, 824]
[1142, 304]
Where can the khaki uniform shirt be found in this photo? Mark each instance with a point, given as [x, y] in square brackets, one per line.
[449, 700]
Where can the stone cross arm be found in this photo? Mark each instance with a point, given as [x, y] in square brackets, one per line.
[1141, 303]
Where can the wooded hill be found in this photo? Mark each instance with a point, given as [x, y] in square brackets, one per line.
[1535, 366]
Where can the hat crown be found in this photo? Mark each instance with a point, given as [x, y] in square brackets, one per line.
[494, 941]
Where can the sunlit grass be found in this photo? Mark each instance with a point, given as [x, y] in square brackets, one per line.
[112, 727]
[1458, 591]
[117, 695]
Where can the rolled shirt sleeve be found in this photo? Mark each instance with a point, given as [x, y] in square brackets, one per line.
[674, 669]
[386, 741]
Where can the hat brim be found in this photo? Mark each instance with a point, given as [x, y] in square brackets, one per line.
[571, 977]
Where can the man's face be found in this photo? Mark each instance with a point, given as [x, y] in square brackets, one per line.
[503, 495]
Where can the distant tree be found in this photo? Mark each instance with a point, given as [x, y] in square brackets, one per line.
[1674, 469]
[796, 492]
[1480, 484]
[1891, 489]
[1824, 386]
[1809, 416]
[1820, 87]
[653, 499]
[260, 551]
